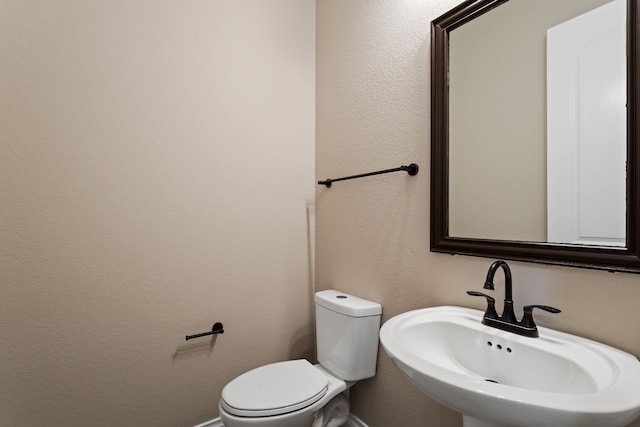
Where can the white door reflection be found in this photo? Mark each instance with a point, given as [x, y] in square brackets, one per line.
[586, 128]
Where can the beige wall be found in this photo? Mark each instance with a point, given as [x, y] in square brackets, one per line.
[156, 158]
[125, 222]
[373, 234]
[498, 119]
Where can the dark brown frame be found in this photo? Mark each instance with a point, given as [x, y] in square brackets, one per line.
[612, 259]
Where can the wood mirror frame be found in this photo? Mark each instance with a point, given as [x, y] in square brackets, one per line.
[625, 259]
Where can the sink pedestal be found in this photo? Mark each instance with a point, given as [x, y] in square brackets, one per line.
[468, 421]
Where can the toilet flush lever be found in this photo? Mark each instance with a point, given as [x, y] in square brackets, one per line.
[217, 328]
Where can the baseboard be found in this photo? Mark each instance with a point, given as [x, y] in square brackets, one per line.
[352, 421]
[212, 423]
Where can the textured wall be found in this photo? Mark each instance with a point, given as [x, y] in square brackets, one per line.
[373, 234]
[156, 158]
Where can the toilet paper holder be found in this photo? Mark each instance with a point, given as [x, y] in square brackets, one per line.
[217, 328]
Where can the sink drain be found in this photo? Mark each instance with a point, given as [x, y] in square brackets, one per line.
[491, 381]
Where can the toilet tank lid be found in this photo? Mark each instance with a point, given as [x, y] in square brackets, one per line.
[349, 305]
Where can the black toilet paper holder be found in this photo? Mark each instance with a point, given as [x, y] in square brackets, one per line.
[217, 328]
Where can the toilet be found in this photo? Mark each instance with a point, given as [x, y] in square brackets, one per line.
[296, 393]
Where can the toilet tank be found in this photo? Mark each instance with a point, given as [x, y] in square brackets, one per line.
[347, 330]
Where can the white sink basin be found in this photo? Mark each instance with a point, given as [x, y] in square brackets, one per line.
[487, 374]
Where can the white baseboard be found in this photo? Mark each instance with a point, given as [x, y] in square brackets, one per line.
[352, 421]
[212, 423]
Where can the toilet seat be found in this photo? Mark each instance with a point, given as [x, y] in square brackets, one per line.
[275, 389]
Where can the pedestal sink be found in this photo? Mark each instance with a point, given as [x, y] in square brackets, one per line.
[497, 378]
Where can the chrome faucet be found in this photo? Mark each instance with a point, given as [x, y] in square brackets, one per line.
[508, 321]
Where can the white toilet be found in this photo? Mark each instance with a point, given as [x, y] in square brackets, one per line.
[296, 393]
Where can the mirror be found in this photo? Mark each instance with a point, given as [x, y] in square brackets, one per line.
[506, 179]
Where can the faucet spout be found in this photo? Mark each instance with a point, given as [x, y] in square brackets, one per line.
[508, 322]
[508, 314]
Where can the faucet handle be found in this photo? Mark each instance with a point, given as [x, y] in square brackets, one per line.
[491, 304]
[527, 319]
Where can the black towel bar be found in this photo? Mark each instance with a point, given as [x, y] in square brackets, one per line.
[412, 169]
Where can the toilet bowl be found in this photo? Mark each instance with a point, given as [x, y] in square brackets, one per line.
[296, 393]
[333, 414]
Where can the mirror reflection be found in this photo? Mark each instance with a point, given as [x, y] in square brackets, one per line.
[537, 123]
